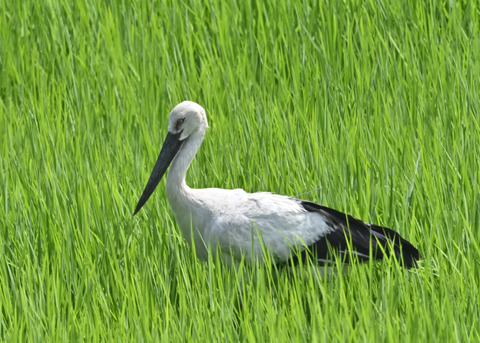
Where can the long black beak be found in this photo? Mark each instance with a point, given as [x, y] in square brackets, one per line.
[169, 150]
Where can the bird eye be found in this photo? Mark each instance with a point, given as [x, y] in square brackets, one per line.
[180, 121]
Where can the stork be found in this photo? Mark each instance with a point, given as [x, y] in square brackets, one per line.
[251, 225]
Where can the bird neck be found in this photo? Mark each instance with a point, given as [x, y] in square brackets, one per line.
[176, 175]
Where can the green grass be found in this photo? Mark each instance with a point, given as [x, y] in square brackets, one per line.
[375, 105]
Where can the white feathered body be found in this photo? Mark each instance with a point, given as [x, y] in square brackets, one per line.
[245, 223]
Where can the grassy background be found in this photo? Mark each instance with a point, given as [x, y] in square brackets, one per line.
[372, 104]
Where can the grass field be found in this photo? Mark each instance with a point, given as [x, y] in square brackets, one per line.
[372, 105]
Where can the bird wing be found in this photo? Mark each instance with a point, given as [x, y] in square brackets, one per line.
[352, 237]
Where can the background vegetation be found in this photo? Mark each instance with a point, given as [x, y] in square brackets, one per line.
[373, 105]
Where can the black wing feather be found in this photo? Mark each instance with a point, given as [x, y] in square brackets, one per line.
[353, 238]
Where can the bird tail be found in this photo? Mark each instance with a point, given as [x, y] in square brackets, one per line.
[354, 239]
[390, 242]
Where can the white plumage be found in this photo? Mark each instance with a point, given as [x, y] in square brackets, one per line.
[232, 218]
[248, 223]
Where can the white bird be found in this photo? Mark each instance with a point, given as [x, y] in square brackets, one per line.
[251, 224]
